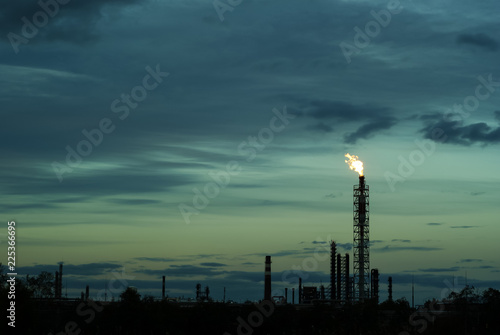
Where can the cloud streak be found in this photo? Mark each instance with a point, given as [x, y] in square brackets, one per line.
[481, 40]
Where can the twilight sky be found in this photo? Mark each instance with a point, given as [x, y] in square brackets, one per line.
[118, 117]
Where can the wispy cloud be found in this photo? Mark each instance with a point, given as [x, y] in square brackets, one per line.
[213, 264]
[155, 259]
[480, 39]
[463, 227]
[470, 260]
[450, 269]
[389, 248]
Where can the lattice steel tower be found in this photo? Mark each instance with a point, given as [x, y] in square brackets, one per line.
[361, 262]
[333, 274]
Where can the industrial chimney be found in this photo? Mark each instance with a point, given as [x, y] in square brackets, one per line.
[390, 288]
[300, 290]
[267, 279]
[163, 288]
[60, 278]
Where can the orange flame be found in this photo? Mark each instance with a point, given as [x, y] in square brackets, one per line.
[354, 163]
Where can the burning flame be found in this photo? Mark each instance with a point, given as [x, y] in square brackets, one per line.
[354, 163]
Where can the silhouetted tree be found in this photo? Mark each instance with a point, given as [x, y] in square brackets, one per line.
[130, 295]
[467, 295]
[42, 285]
[491, 297]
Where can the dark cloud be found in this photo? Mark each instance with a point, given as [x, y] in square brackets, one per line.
[333, 195]
[463, 227]
[276, 254]
[71, 199]
[89, 269]
[451, 269]
[74, 22]
[454, 131]
[134, 201]
[184, 271]
[435, 224]
[213, 264]
[400, 240]
[369, 129]
[245, 276]
[321, 247]
[344, 246]
[480, 39]
[286, 253]
[469, 260]
[198, 256]
[27, 206]
[329, 113]
[476, 193]
[317, 250]
[112, 182]
[155, 259]
[389, 248]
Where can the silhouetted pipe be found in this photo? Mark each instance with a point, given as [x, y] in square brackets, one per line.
[60, 279]
[300, 290]
[163, 288]
[267, 279]
[390, 288]
[198, 291]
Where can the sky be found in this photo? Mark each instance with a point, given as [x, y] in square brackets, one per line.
[192, 138]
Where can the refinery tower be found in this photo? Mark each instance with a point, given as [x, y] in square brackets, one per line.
[361, 232]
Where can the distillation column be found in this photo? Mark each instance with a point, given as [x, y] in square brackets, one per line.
[361, 262]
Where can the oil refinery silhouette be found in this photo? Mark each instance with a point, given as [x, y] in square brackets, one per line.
[343, 288]
[349, 304]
